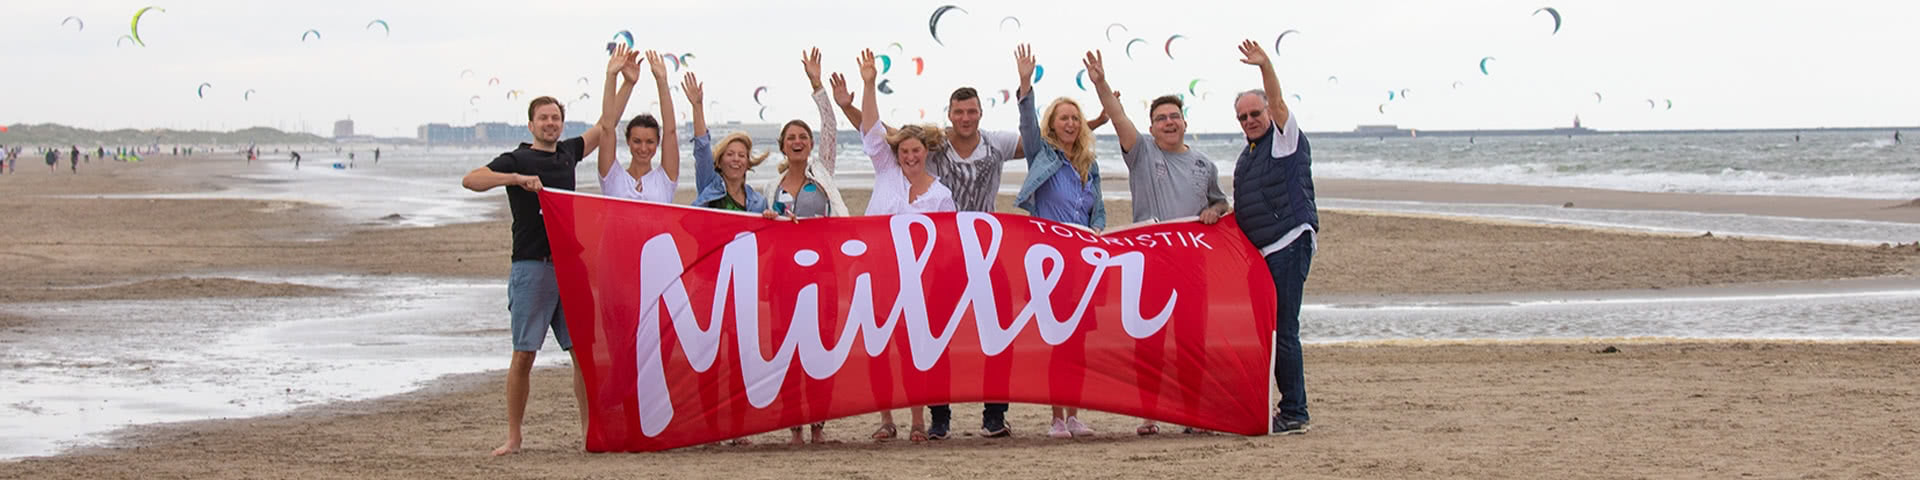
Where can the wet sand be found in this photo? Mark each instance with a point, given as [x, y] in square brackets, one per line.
[1709, 409]
[1779, 206]
[1489, 410]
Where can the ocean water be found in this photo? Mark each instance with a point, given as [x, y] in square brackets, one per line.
[421, 184]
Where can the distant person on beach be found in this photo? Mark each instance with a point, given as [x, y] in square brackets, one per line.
[73, 159]
[533, 291]
[1274, 202]
[53, 161]
[296, 159]
[376, 156]
[1896, 137]
[1168, 180]
[645, 136]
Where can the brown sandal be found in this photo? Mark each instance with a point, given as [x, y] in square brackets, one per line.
[919, 434]
[887, 431]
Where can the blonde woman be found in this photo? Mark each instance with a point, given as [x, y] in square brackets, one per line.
[805, 189]
[644, 135]
[1063, 185]
[901, 184]
[721, 183]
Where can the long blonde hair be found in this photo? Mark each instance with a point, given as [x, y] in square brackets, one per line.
[1080, 152]
[720, 149]
[929, 135]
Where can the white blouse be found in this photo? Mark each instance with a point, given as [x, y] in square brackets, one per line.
[890, 186]
[652, 187]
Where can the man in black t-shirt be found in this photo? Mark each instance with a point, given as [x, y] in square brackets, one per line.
[533, 292]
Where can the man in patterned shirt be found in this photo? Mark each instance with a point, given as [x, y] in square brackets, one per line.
[969, 165]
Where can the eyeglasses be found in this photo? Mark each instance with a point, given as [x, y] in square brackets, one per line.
[1167, 117]
[1249, 115]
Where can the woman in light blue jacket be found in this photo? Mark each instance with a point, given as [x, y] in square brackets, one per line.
[721, 185]
[1063, 185]
[1063, 182]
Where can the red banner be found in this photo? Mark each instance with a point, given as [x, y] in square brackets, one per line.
[692, 326]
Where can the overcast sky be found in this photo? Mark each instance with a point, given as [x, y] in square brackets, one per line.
[1724, 64]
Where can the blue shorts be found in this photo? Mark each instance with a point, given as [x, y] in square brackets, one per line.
[533, 303]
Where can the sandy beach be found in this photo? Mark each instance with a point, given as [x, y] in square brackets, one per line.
[1654, 408]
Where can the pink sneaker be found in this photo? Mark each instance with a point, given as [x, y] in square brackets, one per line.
[1078, 429]
[1059, 429]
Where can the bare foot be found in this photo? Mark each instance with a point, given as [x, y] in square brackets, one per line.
[512, 447]
[797, 439]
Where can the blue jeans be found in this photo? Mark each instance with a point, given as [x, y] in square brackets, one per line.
[1289, 267]
[533, 304]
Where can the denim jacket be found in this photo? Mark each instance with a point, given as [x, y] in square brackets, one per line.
[1043, 161]
[709, 183]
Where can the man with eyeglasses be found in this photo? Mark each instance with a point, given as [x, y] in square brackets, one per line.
[1168, 180]
[1273, 198]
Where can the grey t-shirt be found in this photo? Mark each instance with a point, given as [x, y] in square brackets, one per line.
[1167, 185]
[812, 202]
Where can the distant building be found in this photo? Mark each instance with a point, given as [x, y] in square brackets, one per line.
[343, 128]
[1381, 131]
[440, 133]
[490, 133]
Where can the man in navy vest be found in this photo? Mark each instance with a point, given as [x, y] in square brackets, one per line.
[1273, 201]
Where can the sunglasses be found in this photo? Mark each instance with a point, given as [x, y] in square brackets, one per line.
[1249, 115]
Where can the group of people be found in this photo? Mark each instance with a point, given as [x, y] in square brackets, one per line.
[917, 169]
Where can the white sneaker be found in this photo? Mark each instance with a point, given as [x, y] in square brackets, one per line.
[1059, 429]
[1078, 429]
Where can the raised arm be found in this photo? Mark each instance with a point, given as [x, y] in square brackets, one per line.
[691, 87]
[885, 168]
[826, 142]
[868, 101]
[669, 131]
[703, 173]
[1276, 101]
[611, 107]
[1030, 139]
[604, 126]
[844, 98]
[1110, 105]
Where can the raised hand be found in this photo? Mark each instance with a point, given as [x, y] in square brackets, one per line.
[1253, 53]
[690, 85]
[810, 60]
[1023, 58]
[867, 70]
[618, 61]
[654, 64]
[841, 95]
[1096, 68]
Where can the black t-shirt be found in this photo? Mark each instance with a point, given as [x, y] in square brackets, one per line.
[555, 170]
